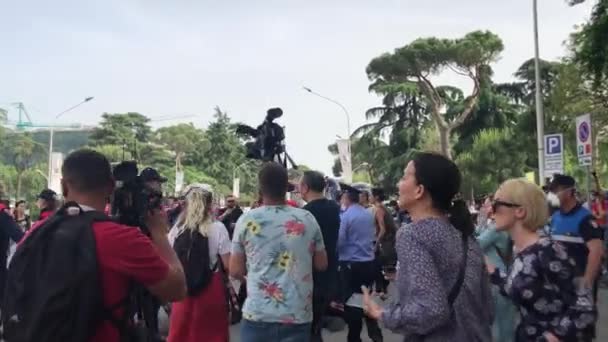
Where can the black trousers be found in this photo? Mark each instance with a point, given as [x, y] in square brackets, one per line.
[320, 304]
[353, 275]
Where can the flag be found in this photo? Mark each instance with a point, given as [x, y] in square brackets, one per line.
[345, 161]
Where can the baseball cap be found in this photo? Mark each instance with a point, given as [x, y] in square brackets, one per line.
[350, 189]
[48, 194]
[562, 181]
[149, 174]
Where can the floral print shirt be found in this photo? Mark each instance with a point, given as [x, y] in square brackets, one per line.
[541, 283]
[278, 243]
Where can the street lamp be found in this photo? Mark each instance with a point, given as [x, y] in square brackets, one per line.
[236, 181]
[540, 118]
[51, 133]
[347, 120]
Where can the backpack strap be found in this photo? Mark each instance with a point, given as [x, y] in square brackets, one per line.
[461, 272]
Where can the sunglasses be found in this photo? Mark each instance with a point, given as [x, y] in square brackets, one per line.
[498, 203]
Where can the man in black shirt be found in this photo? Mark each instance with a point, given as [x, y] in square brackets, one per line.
[327, 214]
[230, 214]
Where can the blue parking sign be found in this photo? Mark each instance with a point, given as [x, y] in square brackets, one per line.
[554, 154]
[553, 144]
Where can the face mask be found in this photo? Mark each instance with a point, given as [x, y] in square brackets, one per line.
[553, 200]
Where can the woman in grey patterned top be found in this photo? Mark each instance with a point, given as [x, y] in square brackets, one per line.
[430, 252]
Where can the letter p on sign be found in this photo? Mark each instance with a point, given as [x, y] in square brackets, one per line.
[554, 144]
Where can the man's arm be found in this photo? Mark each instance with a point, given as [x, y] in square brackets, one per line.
[320, 255]
[593, 236]
[342, 233]
[238, 265]
[173, 286]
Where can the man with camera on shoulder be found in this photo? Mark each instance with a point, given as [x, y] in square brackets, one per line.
[124, 255]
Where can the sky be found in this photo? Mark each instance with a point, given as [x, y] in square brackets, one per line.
[184, 57]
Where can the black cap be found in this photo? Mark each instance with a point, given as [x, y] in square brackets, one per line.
[48, 195]
[149, 175]
[562, 181]
[344, 188]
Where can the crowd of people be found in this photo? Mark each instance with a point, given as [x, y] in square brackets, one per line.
[525, 267]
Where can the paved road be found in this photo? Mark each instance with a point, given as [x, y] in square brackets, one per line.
[389, 337]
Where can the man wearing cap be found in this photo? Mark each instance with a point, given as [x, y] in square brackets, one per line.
[356, 261]
[574, 226]
[47, 202]
[152, 178]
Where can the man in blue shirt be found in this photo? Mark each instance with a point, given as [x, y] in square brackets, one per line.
[356, 261]
[573, 225]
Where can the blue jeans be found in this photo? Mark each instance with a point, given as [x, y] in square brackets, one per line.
[275, 332]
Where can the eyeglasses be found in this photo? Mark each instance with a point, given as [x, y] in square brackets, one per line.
[498, 203]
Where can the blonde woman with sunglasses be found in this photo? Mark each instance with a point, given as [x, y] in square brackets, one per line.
[203, 317]
[540, 281]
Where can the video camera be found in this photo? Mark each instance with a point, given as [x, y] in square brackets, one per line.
[269, 143]
[133, 200]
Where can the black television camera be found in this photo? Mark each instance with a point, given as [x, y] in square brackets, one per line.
[133, 200]
[269, 143]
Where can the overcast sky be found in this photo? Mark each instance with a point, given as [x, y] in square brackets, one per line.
[184, 57]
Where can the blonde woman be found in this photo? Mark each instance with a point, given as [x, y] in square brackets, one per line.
[203, 317]
[541, 280]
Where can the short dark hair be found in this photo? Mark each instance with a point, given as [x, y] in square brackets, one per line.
[562, 181]
[379, 193]
[273, 180]
[87, 170]
[314, 180]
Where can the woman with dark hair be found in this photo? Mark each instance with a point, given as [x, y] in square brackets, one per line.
[21, 218]
[444, 290]
[386, 255]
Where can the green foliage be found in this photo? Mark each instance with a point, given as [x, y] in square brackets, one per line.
[182, 139]
[22, 154]
[409, 68]
[226, 151]
[491, 160]
[591, 44]
[128, 129]
[114, 153]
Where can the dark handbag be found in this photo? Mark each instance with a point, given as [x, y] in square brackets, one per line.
[234, 308]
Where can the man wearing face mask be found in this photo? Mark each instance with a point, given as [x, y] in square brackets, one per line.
[574, 226]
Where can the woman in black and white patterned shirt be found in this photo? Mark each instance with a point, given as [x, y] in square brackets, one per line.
[541, 280]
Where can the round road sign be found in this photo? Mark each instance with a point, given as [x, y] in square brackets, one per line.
[583, 131]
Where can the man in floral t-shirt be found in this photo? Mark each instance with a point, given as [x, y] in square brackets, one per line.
[276, 247]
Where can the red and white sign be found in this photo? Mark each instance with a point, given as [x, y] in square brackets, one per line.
[584, 145]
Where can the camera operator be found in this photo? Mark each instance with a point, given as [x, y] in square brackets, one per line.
[124, 254]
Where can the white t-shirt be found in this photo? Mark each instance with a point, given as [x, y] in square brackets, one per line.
[219, 242]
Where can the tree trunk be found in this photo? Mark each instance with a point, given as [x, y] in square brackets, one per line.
[444, 141]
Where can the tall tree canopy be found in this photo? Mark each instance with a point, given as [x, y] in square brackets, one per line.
[129, 129]
[413, 65]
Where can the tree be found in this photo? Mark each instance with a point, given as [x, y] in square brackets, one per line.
[182, 139]
[493, 110]
[129, 129]
[226, 152]
[22, 154]
[490, 161]
[114, 153]
[590, 43]
[414, 64]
